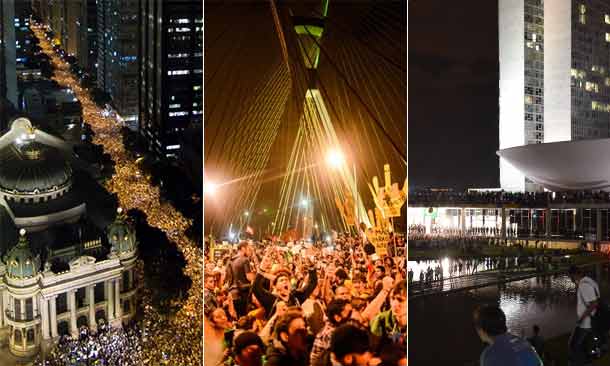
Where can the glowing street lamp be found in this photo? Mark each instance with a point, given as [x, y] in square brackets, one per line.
[246, 213]
[335, 158]
[304, 202]
[210, 188]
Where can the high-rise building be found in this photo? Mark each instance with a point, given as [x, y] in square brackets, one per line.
[86, 49]
[521, 33]
[23, 35]
[40, 9]
[117, 44]
[57, 19]
[8, 52]
[554, 75]
[171, 73]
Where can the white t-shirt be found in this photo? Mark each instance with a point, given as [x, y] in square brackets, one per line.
[585, 294]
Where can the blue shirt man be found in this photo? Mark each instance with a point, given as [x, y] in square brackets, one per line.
[508, 349]
[504, 348]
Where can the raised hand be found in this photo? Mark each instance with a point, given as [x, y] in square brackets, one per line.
[389, 198]
[346, 208]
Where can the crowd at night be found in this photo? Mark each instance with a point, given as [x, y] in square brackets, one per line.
[128, 178]
[298, 303]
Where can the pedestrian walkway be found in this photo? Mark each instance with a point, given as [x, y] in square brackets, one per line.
[468, 282]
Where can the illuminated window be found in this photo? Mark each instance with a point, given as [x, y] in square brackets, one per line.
[176, 114]
[529, 99]
[607, 19]
[197, 87]
[174, 105]
[591, 87]
[607, 81]
[178, 72]
[607, 37]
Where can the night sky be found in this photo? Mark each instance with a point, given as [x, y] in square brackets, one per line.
[453, 94]
[361, 77]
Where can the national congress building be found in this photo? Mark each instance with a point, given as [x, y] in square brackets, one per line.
[554, 87]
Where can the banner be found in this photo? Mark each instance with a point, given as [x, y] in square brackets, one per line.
[380, 239]
[389, 198]
[379, 235]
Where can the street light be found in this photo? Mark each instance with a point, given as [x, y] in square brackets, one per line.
[210, 188]
[246, 213]
[304, 202]
[335, 158]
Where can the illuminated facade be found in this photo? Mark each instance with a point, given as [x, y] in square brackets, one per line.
[521, 33]
[8, 56]
[171, 73]
[565, 165]
[554, 75]
[117, 47]
[66, 262]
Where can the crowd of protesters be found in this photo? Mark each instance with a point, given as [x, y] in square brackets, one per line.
[105, 347]
[306, 304]
[539, 199]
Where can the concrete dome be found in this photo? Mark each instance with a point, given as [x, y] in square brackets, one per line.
[31, 167]
[566, 165]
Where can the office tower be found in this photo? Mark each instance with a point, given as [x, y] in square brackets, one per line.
[23, 35]
[86, 49]
[8, 53]
[171, 78]
[57, 15]
[117, 44]
[554, 75]
[40, 9]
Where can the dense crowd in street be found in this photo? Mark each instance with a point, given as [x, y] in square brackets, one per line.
[533, 199]
[104, 348]
[305, 304]
[177, 340]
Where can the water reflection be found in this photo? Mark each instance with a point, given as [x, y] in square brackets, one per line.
[441, 326]
[453, 267]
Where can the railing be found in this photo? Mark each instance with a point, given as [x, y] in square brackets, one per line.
[19, 317]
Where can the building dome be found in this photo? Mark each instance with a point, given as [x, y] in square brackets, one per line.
[121, 235]
[20, 262]
[30, 167]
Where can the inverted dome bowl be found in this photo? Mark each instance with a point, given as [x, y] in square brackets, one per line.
[566, 165]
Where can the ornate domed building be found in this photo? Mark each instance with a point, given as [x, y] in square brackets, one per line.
[67, 259]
